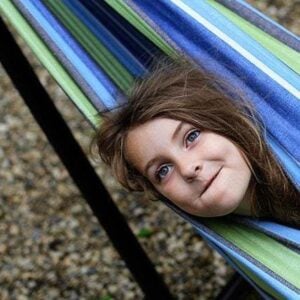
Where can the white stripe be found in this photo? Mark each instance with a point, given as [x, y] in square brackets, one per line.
[233, 44]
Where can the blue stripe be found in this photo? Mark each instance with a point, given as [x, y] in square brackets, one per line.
[72, 56]
[100, 32]
[286, 235]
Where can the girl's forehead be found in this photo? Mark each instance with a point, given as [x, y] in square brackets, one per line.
[155, 126]
[151, 130]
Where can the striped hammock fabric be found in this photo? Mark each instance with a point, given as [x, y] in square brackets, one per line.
[95, 49]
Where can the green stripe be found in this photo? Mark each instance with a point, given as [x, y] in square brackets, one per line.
[275, 256]
[283, 52]
[92, 45]
[134, 19]
[49, 61]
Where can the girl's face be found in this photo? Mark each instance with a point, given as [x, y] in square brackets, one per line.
[203, 173]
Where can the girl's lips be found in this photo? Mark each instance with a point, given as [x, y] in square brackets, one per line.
[210, 181]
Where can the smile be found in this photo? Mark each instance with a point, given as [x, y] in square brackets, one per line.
[210, 181]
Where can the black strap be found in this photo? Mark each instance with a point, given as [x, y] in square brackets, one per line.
[78, 166]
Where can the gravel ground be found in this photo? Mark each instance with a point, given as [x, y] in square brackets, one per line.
[51, 246]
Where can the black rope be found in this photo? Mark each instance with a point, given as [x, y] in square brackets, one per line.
[78, 166]
[238, 288]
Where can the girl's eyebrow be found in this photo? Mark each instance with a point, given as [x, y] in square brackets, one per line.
[177, 130]
[149, 164]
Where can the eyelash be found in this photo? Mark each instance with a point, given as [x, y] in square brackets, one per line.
[189, 134]
[157, 175]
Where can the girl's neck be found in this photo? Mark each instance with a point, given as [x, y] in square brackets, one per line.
[245, 206]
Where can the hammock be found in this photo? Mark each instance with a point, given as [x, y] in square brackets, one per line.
[95, 49]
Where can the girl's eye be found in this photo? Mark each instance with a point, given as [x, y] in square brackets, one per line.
[191, 137]
[162, 172]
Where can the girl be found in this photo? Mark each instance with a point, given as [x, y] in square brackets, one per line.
[180, 137]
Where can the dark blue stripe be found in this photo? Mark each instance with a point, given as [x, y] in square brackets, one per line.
[143, 49]
[106, 38]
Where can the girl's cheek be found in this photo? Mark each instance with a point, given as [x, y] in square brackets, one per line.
[169, 189]
[177, 192]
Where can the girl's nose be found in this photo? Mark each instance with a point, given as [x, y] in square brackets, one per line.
[189, 171]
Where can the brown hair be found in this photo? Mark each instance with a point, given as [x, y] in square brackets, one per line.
[181, 91]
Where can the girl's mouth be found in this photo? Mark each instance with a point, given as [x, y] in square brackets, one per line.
[210, 181]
